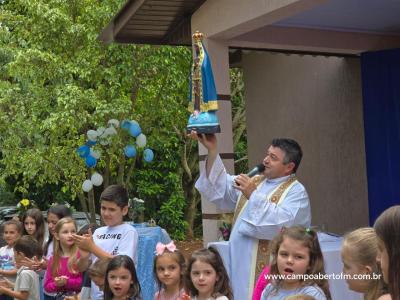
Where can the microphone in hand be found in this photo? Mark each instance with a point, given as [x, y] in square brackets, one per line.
[256, 170]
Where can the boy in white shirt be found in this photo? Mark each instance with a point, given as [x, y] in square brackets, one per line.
[26, 285]
[116, 238]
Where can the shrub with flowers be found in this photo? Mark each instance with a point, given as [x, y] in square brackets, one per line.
[226, 226]
[136, 209]
[225, 230]
[24, 205]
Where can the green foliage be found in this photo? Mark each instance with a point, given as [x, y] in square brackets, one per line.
[57, 81]
[6, 197]
[170, 214]
[239, 120]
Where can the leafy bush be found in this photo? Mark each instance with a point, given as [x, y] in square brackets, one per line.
[171, 217]
[6, 197]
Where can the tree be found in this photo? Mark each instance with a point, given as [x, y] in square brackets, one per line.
[57, 81]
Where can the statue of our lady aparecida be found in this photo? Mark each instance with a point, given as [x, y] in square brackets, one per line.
[203, 102]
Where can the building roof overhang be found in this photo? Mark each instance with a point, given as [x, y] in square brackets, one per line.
[160, 22]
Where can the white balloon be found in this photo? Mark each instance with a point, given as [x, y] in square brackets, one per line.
[113, 122]
[105, 142]
[95, 153]
[87, 185]
[96, 179]
[105, 138]
[141, 140]
[110, 131]
[100, 131]
[92, 135]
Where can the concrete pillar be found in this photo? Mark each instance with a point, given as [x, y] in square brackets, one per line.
[219, 54]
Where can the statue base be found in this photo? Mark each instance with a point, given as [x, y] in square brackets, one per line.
[203, 122]
[204, 129]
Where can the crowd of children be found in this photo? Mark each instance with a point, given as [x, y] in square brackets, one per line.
[106, 258]
[58, 266]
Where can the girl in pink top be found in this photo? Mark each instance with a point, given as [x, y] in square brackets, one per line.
[62, 275]
[261, 284]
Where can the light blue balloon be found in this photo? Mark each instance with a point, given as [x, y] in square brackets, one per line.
[83, 151]
[130, 151]
[90, 161]
[125, 124]
[148, 155]
[135, 129]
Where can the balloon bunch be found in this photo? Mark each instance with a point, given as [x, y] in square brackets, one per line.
[103, 136]
[135, 131]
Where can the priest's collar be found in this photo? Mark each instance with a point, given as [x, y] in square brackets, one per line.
[280, 179]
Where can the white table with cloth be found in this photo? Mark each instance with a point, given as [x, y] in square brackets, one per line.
[148, 238]
[330, 246]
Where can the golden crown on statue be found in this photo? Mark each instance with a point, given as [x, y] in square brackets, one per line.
[198, 36]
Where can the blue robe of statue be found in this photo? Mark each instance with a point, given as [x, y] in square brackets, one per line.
[203, 118]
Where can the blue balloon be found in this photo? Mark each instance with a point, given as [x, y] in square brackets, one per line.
[130, 151]
[135, 129]
[83, 151]
[148, 155]
[91, 143]
[125, 124]
[90, 161]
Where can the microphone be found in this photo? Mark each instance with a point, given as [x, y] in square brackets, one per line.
[256, 170]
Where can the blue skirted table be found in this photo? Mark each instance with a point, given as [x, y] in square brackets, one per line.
[148, 238]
